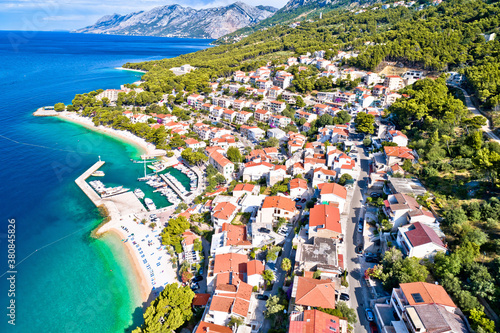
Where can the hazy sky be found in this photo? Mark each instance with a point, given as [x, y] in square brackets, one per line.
[72, 14]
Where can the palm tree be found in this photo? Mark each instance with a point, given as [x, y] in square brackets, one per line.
[286, 264]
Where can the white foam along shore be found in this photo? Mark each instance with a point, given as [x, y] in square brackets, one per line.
[131, 69]
[146, 147]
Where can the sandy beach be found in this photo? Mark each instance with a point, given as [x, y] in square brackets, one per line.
[130, 69]
[150, 261]
[145, 286]
[146, 147]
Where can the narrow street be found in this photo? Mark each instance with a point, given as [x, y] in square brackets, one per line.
[359, 295]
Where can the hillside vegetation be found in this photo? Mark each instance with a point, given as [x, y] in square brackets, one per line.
[445, 37]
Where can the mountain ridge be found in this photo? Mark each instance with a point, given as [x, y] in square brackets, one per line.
[178, 21]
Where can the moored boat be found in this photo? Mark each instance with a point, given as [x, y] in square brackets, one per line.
[138, 193]
[150, 204]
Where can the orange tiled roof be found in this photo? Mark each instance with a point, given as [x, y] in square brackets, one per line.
[317, 293]
[201, 299]
[430, 293]
[235, 234]
[279, 202]
[244, 187]
[401, 152]
[223, 210]
[327, 216]
[204, 327]
[254, 267]
[297, 183]
[315, 321]
[230, 262]
[333, 188]
[220, 159]
[189, 237]
[191, 141]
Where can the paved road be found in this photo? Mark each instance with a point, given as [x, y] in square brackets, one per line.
[474, 110]
[357, 287]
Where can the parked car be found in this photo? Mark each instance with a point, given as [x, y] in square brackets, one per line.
[344, 297]
[197, 278]
[303, 200]
[264, 230]
[195, 286]
[359, 249]
[372, 257]
[262, 297]
[296, 199]
[360, 226]
[298, 206]
[375, 195]
[369, 314]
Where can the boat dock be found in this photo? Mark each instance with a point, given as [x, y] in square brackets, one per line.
[86, 188]
[173, 187]
[43, 112]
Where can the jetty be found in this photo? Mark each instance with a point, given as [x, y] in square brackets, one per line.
[173, 187]
[119, 206]
[86, 188]
[45, 112]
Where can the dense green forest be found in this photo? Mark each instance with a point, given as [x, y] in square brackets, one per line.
[445, 37]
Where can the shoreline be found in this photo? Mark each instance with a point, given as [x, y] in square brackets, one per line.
[145, 147]
[136, 270]
[131, 70]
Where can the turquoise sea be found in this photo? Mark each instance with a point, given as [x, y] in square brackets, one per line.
[65, 280]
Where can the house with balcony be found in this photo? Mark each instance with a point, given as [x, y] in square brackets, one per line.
[419, 240]
[323, 175]
[242, 117]
[224, 212]
[277, 106]
[229, 115]
[222, 164]
[275, 207]
[394, 82]
[397, 155]
[279, 121]
[397, 206]
[333, 193]
[397, 137]
[420, 307]
[253, 171]
[194, 144]
[274, 92]
[297, 187]
[262, 115]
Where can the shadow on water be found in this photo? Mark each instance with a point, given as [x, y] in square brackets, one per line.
[137, 315]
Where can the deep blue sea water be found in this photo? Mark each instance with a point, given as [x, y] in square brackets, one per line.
[65, 281]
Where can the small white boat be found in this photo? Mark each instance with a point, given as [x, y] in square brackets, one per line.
[98, 173]
[138, 193]
[150, 204]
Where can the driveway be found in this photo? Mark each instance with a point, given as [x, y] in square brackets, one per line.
[475, 111]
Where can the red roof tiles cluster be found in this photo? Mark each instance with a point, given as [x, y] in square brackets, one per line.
[327, 216]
